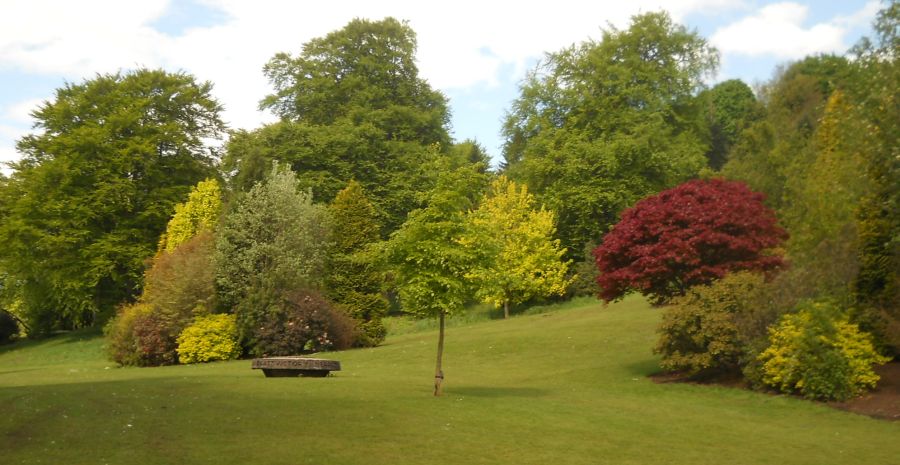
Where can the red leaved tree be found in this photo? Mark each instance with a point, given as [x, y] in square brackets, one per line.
[688, 235]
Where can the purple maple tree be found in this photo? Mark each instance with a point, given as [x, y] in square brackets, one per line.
[691, 234]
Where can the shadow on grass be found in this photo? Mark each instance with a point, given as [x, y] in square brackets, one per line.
[646, 367]
[67, 337]
[496, 392]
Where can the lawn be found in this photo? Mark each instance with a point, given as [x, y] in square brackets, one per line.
[566, 386]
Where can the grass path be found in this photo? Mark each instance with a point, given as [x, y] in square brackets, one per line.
[566, 387]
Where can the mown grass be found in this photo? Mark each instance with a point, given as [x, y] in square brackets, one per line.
[566, 386]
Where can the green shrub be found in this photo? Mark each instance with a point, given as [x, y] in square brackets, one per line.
[208, 338]
[820, 354]
[711, 328]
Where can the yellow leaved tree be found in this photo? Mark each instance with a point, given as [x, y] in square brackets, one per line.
[200, 212]
[518, 256]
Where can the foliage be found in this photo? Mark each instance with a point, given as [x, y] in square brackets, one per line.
[603, 124]
[427, 261]
[200, 212]
[140, 336]
[713, 328]
[352, 280]
[274, 235]
[730, 106]
[110, 158]
[518, 257]
[209, 338]
[300, 322]
[181, 283]
[824, 199]
[688, 235]
[819, 354]
[777, 146]
[352, 107]
[878, 283]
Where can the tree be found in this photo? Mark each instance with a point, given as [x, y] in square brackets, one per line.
[352, 279]
[272, 242]
[96, 184]
[878, 283]
[199, 213]
[352, 107]
[426, 258]
[519, 258]
[730, 107]
[688, 235]
[603, 124]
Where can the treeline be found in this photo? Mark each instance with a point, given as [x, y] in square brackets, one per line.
[291, 236]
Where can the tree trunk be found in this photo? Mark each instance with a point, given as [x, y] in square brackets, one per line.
[505, 309]
[438, 372]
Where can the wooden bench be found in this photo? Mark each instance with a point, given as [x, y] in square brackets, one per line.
[295, 366]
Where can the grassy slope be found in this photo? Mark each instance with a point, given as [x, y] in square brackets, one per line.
[562, 387]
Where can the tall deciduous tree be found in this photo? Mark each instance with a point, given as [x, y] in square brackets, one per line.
[601, 125]
[352, 106]
[352, 279]
[730, 106]
[96, 184]
[518, 256]
[426, 257]
[688, 235]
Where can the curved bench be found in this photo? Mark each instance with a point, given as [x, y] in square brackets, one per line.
[295, 366]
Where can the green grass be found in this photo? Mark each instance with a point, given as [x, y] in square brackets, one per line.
[567, 386]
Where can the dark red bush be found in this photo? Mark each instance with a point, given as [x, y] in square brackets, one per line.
[688, 235]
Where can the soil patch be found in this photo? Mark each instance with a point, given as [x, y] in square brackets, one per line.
[882, 402]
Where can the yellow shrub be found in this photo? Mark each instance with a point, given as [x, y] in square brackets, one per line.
[208, 338]
[820, 354]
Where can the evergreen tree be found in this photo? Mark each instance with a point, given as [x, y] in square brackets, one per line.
[352, 280]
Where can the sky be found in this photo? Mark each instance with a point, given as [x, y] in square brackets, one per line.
[475, 52]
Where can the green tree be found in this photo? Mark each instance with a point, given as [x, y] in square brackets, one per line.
[352, 279]
[518, 257]
[730, 106]
[428, 262]
[352, 106]
[200, 212]
[87, 202]
[878, 283]
[273, 241]
[600, 125]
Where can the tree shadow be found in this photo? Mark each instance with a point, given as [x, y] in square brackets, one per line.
[496, 392]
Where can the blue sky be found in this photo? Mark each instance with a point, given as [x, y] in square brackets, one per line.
[475, 52]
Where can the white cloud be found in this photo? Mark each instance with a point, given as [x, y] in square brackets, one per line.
[460, 46]
[777, 30]
[20, 113]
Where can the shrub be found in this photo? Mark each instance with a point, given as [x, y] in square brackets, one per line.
[688, 235]
[181, 282]
[139, 335]
[208, 338]
[820, 354]
[9, 328]
[300, 322]
[712, 327]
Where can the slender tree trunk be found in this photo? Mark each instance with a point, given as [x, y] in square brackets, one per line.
[505, 309]
[438, 372]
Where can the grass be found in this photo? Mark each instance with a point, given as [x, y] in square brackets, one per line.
[564, 386]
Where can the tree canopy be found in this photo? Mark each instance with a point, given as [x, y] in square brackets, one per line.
[519, 257]
[600, 125]
[688, 235]
[352, 106]
[86, 204]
